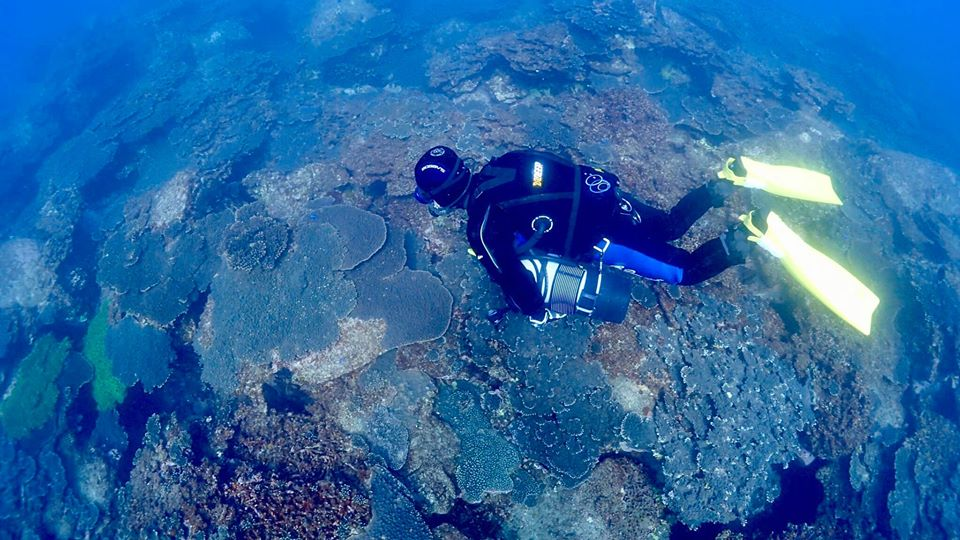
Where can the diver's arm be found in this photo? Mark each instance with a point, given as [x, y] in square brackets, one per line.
[494, 246]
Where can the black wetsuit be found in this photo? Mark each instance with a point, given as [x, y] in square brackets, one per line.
[575, 207]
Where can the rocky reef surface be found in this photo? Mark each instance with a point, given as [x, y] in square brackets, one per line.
[222, 315]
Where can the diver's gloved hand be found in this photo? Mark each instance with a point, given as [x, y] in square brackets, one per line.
[736, 244]
[738, 168]
[545, 316]
[719, 190]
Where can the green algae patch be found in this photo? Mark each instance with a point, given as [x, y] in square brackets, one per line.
[32, 396]
[108, 391]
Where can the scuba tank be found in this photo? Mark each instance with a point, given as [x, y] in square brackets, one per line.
[589, 289]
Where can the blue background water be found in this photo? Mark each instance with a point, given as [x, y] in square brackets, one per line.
[897, 60]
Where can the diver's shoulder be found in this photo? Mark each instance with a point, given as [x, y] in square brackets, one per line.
[522, 156]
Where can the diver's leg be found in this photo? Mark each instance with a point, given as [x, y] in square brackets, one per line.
[667, 226]
[717, 255]
[665, 262]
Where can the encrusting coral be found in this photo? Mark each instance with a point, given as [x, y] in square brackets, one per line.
[30, 399]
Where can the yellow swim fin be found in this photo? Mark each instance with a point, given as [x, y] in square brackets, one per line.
[782, 180]
[831, 283]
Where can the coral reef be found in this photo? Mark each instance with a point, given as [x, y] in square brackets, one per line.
[171, 202]
[166, 492]
[924, 502]
[286, 345]
[7, 332]
[356, 346]
[363, 233]
[107, 388]
[486, 459]
[254, 242]
[157, 274]
[415, 304]
[25, 278]
[617, 501]
[546, 53]
[565, 413]
[289, 196]
[271, 506]
[138, 353]
[293, 310]
[37, 498]
[394, 515]
[30, 399]
[734, 411]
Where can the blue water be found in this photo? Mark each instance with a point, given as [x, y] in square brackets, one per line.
[205, 206]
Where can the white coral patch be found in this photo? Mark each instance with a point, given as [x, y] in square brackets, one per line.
[24, 278]
[170, 202]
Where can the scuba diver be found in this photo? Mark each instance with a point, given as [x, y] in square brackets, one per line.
[561, 238]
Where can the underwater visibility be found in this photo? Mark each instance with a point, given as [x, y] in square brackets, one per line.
[404, 270]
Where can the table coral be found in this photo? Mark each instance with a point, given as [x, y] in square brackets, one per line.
[394, 515]
[290, 311]
[157, 274]
[139, 353]
[565, 413]
[414, 303]
[363, 233]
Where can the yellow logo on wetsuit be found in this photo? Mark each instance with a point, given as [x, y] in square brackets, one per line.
[537, 174]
